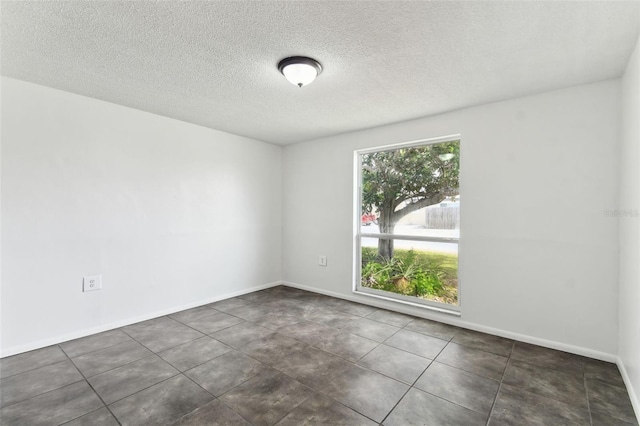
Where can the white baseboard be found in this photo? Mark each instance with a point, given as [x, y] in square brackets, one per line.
[117, 324]
[633, 396]
[464, 324]
[363, 300]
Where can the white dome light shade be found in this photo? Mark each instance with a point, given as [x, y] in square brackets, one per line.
[300, 70]
[300, 74]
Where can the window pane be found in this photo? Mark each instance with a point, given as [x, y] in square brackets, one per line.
[428, 227]
[411, 191]
[437, 220]
[426, 270]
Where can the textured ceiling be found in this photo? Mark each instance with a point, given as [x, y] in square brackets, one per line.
[215, 63]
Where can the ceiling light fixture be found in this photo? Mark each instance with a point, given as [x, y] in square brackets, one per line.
[300, 70]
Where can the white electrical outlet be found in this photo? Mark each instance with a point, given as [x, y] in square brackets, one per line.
[92, 283]
[322, 260]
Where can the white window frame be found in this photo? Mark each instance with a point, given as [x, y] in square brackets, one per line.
[358, 234]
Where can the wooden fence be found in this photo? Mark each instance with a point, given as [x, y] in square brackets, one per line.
[442, 217]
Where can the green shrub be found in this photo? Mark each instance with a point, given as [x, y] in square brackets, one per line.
[405, 269]
[376, 275]
[408, 272]
[427, 283]
[369, 254]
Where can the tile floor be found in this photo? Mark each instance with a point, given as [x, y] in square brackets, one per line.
[289, 357]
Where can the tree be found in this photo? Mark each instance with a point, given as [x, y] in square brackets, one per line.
[401, 181]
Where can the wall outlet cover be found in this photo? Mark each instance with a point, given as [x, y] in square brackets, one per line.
[92, 283]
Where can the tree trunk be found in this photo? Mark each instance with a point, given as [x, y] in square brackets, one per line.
[385, 246]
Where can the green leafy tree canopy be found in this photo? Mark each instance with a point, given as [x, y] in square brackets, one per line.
[398, 182]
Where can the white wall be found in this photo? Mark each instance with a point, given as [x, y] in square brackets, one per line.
[171, 214]
[544, 269]
[629, 231]
[174, 215]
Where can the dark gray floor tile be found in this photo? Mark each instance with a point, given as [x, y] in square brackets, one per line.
[314, 382]
[215, 322]
[483, 341]
[162, 403]
[303, 310]
[420, 408]
[565, 386]
[55, 407]
[283, 291]
[312, 367]
[318, 301]
[390, 317]
[284, 306]
[331, 318]
[367, 392]
[347, 345]
[473, 360]
[95, 342]
[305, 307]
[261, 296]
[395, 363]
[598, 419]
[323, 301]
[458, 386]
[242, 334]
[100, 417]
[293, 292]
[282, 302]
[544, 357]
[432, 328]
[610, 400]
[128, 379]
[276, 321]
[214, 413]
[225, 372]
[416, 343]
[267, 398]
[250, 312]
[109, 358]
[515, 407]
[370, 329]
[603, 371]
[153, 322]
[228, 304]
[353, 308]
[272, 349]
[322, 411]
[161, 334]
[278, 289]
[196, 352]
[35, 382]
[309, 332]
[20, 363]
[193, 314]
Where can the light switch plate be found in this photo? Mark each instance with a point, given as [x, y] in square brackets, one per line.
[92, 283]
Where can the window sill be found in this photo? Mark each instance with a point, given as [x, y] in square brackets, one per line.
[449, 311]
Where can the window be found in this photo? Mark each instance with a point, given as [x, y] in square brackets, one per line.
[408, 222]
